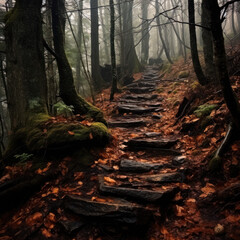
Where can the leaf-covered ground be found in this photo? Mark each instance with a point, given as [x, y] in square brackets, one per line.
[207, 205]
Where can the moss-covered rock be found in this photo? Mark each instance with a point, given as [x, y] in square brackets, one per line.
[38, 136]
[204, 110]
[183, 74]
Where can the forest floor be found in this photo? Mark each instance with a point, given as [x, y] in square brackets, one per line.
[152, 181]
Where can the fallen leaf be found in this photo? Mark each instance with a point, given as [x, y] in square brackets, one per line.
[71, 133]
[37, 217]
[110, 180]
[46, 233]
[207, 190]
[55, 190]
[90, 136]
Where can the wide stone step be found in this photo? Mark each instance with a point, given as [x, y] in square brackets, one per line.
[141, 103]
[151, 143]
[142, 97]
[126, 123]
[140, 195]
[127, 165]
[128, 108]
[142, 84]
[139, 90]
[165, 177]
[108, 211]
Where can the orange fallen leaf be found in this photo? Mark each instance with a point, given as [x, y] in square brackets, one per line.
[71, 133]
[46, 233]
[235, 147]
[207, 190]
[55, 190]
[41, 171]
[90, 136]
[109, 180]
[35, 218]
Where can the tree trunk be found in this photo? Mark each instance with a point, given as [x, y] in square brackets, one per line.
[104, 22]
[160, 33]
[221, 62]
[131, 62]
[27, 84]
[79, 83]
[113, 55]
[207, 43]
[145, 33]
[193, 41]
[96, 76]
[67, 89]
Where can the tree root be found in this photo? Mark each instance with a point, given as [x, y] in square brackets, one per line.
[215, 163]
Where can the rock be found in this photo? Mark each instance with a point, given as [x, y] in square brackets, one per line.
[125, 123]
[179, 160]
[157, 116]
[151, 143]
[135, 166]
[165, 178]
[140, 195]
[152, 134]
[70, 227]
[127, 108]
[118, 211]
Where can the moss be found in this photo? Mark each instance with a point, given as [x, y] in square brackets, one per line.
[204, 110]
[215, 164]
[166, 67]
[183, 74]
[96, 114]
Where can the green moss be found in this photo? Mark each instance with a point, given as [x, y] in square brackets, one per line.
[204, 110]
[215, 164]
[183, 74]
[167, 67]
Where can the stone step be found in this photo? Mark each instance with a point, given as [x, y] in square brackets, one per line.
[127, 165]
[164, 177]
[110, 211]
[142, 84]
[139, 90]
[151, 143]
[128, 108]
[141, 103]
[139, 195]
[126, 123]
[143, 97]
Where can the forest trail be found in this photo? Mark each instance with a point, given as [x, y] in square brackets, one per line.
[139, 188]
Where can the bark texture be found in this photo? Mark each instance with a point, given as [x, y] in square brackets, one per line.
[68, 92]
[193, 41]
[27, 84]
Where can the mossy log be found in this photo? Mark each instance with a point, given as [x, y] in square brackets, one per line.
[41, 134]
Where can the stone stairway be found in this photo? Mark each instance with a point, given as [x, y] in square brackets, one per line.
[135, 192]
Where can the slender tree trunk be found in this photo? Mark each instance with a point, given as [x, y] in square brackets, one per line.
[79, 83]
[160, 33]
[233, 22]
[113, 55]
[51, 81]
[207, 43]
[68, 92]
[145, 32]
[96, 76]
[193, 41]
[27, 83]
[221, 62]
[104, 22]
